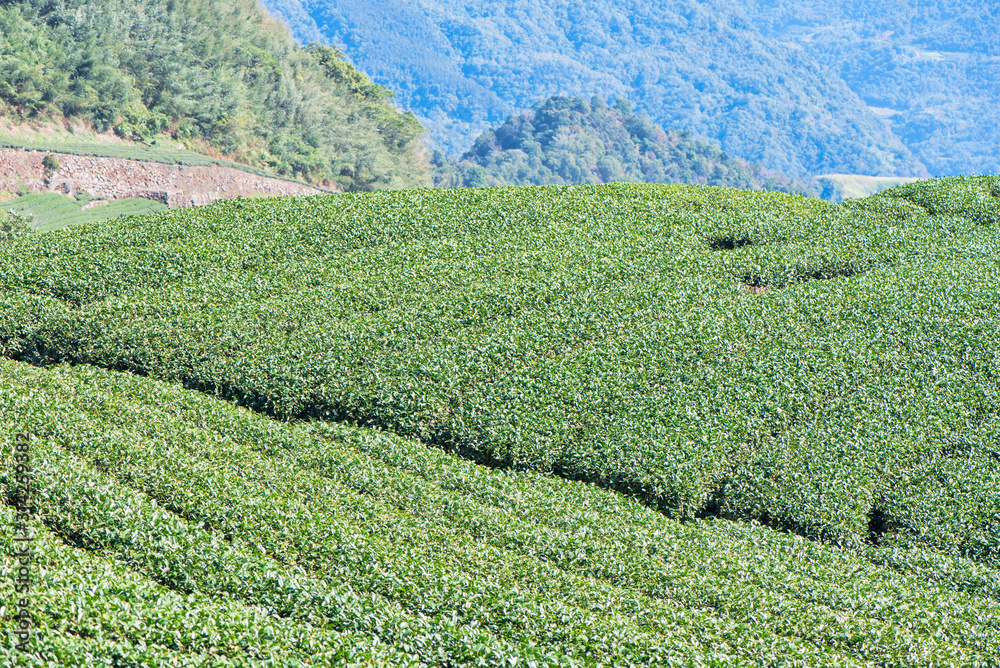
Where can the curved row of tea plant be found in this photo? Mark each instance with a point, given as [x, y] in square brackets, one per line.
[174, 528]
[829, 369]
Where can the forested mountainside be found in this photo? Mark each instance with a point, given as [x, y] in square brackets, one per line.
[219, 75]
[463, 66]
[570, 140]
[931, 69]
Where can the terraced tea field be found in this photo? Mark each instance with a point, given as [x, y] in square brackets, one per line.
[611, 425]
[52, 211]
[132, 151]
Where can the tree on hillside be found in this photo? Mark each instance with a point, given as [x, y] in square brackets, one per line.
[570, 140]
[219, 75]
[14, 225]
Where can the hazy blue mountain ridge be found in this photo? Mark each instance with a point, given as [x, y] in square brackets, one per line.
[463, 66]
[931, 69]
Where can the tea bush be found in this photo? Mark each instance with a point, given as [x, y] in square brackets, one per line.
[708, 351]
[177, 529]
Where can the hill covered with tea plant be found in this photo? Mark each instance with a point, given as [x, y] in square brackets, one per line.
[589, 425]
[222, 77]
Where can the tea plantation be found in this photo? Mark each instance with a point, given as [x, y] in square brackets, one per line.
[180, 530]
[595, 425]
[52, 211]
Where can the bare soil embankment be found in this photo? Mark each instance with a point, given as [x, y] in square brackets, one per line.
[119, 178]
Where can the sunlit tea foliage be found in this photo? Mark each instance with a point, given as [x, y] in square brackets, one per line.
[176, 529]
[556, 424]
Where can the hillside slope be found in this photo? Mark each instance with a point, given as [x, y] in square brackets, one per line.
[720, 355]
[692, 64]
[709, 350]
[931, 69]
[570, 141]
[221, 76]
[112, 178]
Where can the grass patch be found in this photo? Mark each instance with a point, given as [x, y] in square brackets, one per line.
[840, 187]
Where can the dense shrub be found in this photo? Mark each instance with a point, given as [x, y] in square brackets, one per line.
[570, 141]
[173, 528]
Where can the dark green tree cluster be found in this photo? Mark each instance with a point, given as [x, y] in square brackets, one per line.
[570, 140]
[13, 225]
[221, 75]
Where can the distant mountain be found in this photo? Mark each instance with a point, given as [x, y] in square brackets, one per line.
[931, 69]
[221, 76]
[570, 140]
[465, 65]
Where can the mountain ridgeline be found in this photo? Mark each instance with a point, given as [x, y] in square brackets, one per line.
[700, 65]
[221, 76]
[805, 87]
[570, 140]
[930, 69]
